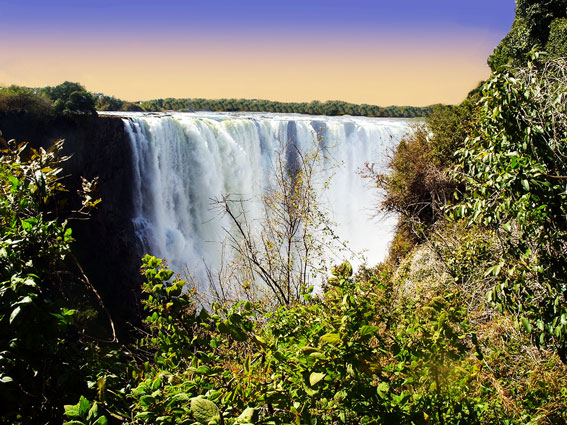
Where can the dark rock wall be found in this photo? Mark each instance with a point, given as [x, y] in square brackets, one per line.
[106, 244]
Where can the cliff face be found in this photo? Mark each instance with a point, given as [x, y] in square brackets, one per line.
[106, 244]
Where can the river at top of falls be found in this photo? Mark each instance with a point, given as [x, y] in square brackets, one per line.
[183, 161]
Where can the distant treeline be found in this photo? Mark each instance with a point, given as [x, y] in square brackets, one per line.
[332, 107]
[73, 98]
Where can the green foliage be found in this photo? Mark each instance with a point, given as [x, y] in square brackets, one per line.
[514, 48]
[538, 25]
[108, 103]
[204, 411]
[515, 172]
[66, 98]
[417, 185]
[63, 91]
[360, 354]
[40, 360]
[333, 107]
[412, 187]
[17, 99]
[33, 324]
[171, 324]
[193, 360]
[71, 98]
[84, 413]
[556, 45]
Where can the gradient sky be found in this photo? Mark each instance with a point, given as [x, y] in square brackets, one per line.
[384, 52]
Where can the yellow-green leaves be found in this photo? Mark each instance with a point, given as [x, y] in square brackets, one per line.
[315, 377]
[330, 338]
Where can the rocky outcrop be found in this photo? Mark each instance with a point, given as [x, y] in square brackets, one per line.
[105, 245]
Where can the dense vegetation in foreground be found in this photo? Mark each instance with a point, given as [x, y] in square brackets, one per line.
[465, 324]
[72, 98]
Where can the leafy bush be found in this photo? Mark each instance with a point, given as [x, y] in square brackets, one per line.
[360, 354]
[41, 359]
[515, 172]
[417, 185]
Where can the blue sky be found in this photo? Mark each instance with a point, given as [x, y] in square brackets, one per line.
[289, 15]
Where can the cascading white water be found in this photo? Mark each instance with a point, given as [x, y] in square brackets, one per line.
[182, 161]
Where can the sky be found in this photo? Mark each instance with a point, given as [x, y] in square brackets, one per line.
[381, 52]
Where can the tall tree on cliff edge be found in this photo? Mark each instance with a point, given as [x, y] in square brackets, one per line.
[540, 25]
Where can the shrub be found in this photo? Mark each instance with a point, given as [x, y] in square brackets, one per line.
[515, 172]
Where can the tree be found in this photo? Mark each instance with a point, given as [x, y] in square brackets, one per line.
[63, 90]
[108, 103]
[80, 102]
[22, 99]
[285, 250]
[69, 98]
[537, 23]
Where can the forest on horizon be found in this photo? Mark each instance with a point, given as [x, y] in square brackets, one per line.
[73, 98]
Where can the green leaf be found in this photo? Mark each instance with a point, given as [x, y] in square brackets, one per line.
[307, 350]
[238, 334]
[71, 410]
[259, 340]
[223, 327]
[526, 324]
[29, 282]
[26, 225]
[6, 379]
[101, 421]
[330, 338]
[525, 184]
[147, 400]
[382, 389]
[93, 412]
[177, 398]
[15, 182]
[84, 406]
[23, 301]
[15, 313]
[315, 377]
[203, 370]
[204, 411]
[156, 383]
[248, 416]
[368, 330]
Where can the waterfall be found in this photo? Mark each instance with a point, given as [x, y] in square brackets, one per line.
[183, 161]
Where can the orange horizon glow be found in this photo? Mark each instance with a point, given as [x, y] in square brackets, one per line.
[417, 72]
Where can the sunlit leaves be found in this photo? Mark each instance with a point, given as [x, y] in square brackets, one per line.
[515, 173]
